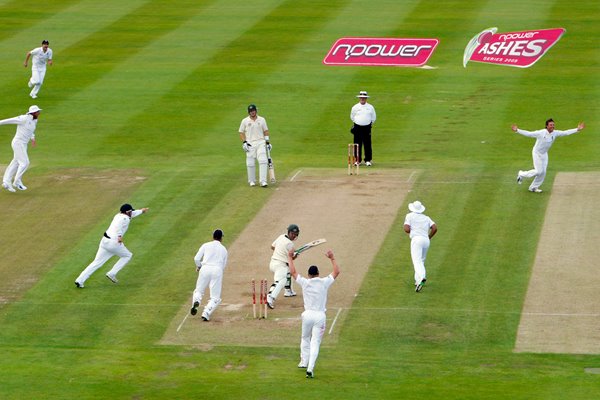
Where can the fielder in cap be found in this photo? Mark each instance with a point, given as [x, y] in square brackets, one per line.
[314, 293]
[421, 229]
[41, 56]
[26, 125]
[279, 265]
[210, 261]
[112, 244]
[254, 134]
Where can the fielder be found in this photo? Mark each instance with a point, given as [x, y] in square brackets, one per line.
[279, 265]
[314, 292]
[210, 260]
[41, 57]
[544, 140]
[254, 134]
[421, 229]
[112, 245]
[26, 125]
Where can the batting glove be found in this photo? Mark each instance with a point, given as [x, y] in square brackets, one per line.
[246, 146]
[269, 147]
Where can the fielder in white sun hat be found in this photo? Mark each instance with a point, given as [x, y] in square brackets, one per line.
[416, 207]
[33, 109]
[363, 93]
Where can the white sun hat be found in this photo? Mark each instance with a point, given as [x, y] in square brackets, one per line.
[33, 109]
[416, 207]
[363, 93]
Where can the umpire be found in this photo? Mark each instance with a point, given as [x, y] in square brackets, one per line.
[363, 116]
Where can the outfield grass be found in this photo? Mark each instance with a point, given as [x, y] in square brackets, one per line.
[156, 90]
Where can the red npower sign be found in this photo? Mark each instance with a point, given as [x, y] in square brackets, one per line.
[381, 52]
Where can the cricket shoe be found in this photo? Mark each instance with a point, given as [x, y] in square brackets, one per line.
[309, 374]
[194, 309]
[289, 293]
[112, 278]
[369, 163]
[263, 184]
[79, 285]
[535, 190]
[252, 184]
[302, 365]
[270, 302]
[8, 187]
[519, 178]
[29, 84]
[33, 96]
[205, 317]
[20, 186]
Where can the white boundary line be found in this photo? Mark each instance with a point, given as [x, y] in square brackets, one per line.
[335, 320]
[295, 175]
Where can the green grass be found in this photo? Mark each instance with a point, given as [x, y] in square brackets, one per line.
[157, 89]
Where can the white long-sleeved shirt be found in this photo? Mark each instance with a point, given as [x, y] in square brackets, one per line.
[120, 224]
[419, 224]
[39, 58]
[211, 254]
[363, 114]
[545, 139]
[26, 125]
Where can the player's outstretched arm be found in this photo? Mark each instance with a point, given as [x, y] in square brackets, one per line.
[291, 257]
[334, 264]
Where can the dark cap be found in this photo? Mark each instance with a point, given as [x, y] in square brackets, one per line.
[251, 107]
[126, 207]
[45, 41]
[218, 234]
[313, 270]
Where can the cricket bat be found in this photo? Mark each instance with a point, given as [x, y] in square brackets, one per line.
[271, 166]
[309, 245]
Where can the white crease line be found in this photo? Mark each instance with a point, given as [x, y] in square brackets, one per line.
[295, 175]
[335, 320]
[182, 322]
[409, 180]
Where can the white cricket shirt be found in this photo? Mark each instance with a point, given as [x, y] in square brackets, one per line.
[282, 246]
[39, 58]
[545, 139]
[25, 127]
[120, 224]
[419, 224]
[314, 292]
[254, 129]
[212, 254]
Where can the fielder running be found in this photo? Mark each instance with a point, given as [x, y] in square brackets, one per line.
[112, 245]
[544, 140]
[314, 292]
[26, 125]
[279, 265]
[421, 229]
[254, 134]
[210, 260]
[41, 57]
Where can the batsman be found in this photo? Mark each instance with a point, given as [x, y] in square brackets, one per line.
[254, 134]
[279, 265]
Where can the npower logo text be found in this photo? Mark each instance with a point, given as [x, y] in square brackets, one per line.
[381, 51]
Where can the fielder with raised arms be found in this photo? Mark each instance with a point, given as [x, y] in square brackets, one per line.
[254, 134]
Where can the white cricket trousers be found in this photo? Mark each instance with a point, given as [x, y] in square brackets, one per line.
[313, 328]
[210, 276]
[540, 164]
[418, 252]
[258, 151]
[37, 78]
[19, 163]
[280, 272]
[107, 249]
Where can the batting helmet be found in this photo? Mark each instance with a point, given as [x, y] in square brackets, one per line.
[294, 228]
[126, 207]
[251, 107]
